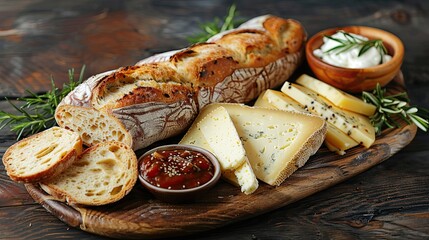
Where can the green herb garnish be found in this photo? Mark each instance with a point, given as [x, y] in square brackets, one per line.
[351, 41]
[212, 28]
[394, 105]
[37, 111]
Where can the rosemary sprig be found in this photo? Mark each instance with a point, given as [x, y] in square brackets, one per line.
[394, 105]
[37, 111]
[351, 41]
[212, 28]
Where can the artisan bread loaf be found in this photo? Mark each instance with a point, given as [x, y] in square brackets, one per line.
[42, 155]
[162, 95]
[103, 174]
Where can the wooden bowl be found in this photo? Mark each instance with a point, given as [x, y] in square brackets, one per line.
[180, 195]
[358, 79]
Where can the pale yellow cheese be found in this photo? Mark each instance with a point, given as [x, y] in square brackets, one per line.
[334, 137]
[334, 149]
[354, 125]
[243, 176]
[223, 139]
[262, 101]
[277, 142]
[339, 140]
[278, 100]
[336, 96]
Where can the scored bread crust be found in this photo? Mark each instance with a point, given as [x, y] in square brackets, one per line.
[161, 96]
[103, 174]
[43, 155]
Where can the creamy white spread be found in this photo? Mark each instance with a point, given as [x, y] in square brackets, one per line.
[349, 58]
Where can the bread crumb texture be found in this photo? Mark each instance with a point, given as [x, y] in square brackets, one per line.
[103, 174]
[42, 155]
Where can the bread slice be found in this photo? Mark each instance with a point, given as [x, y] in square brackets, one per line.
[42, 155]
[103, 174]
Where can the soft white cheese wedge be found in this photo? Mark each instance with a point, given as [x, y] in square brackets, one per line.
[336, 96]
[277, 142]
[354, 125]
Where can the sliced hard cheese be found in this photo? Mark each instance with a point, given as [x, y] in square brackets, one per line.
[355, 125]
[334, 149]
[339, 98]
[338, 139]
[277, 142]
[223, 139]
[334, 137]
[243, 176]
[279, 100]
[263, 102]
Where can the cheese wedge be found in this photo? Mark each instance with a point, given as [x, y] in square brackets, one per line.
[278, 100]
[354, 125]
[243, 176]
[223, 139]
[336, 96]
[334, 137]
[277, 142]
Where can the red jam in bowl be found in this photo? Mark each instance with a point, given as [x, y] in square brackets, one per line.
[176, 169]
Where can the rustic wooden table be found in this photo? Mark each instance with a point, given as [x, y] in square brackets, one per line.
[40, 39]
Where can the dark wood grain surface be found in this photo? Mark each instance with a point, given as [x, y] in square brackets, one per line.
[39, 39]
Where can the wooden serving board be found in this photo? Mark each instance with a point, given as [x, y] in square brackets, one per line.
[140, 215]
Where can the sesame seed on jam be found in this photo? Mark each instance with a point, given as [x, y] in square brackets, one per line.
[177, 169]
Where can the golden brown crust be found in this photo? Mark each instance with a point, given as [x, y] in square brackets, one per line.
[289, 34]
[252, 48]
[204, 64]
[155, 82]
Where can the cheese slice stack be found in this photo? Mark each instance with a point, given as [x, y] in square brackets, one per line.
[335, 140]
[336, 96]
[354, 125]
[239, 173]
[277, 142]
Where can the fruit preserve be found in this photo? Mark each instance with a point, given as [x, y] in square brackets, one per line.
[176, 169]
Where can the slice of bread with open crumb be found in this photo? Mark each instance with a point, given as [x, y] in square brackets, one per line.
[43, 155]
[103, 174]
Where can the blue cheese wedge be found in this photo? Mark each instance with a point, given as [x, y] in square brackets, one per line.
[243, 175]
[277, 142]
[354, 125]
[335, 140]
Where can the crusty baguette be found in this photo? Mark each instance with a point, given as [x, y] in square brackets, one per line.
[161, 95]
[102, 174]
[42, 155]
